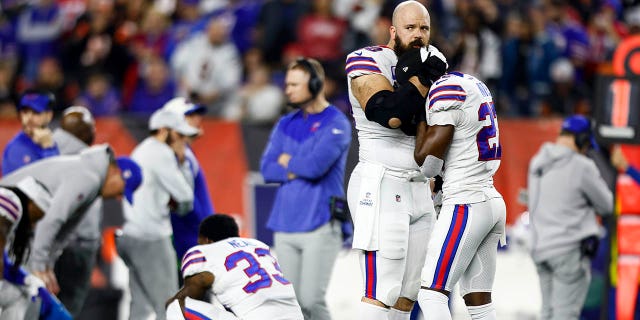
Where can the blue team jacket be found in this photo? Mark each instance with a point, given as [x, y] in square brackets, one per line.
[21, 151]
[318, 145]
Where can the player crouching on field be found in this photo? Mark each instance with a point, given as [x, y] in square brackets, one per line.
[241, 274]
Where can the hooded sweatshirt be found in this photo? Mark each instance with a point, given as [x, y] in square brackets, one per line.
[75, 182]
[88, 230]
[566, 191]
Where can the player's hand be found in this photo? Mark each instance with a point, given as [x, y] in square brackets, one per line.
[43, 137]
[283, 160]
[179, 147]
[435, 65]
[49, 279]
[427, 64]
[618, 160]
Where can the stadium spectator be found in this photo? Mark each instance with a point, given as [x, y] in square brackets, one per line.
[320, 34]
[92, 47]
[208, 67]
[307, 154]
[100, 96]
[277, 27]
[566, 191]
[37, 31]
[51, 78]
[154, 88]
[184, 26]
[567, 96]
[260, 101]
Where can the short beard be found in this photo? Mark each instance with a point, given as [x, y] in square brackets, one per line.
[170, 139]
[399, 48]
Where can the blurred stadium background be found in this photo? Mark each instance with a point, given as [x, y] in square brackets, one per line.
[123, 59]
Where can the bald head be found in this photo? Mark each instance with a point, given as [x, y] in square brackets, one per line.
[410, 27]
[79, 122]
[407, 10]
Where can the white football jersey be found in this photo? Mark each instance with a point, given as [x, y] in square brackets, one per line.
[474, 156]
[388, 147]
[248, 280]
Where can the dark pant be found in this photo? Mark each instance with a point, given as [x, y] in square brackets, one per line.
[73, 271]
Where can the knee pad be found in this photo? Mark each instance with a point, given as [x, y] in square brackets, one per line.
[483, 312]
[434, 304]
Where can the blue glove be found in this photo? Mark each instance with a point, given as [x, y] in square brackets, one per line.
[52, 308]
[14, 275]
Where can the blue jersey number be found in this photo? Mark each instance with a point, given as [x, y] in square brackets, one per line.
[487, 151]
[255, 269]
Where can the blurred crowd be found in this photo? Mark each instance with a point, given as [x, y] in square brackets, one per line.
[539, 57]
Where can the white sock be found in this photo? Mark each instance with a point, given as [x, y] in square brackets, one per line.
[434, 305]
[395, 314]
[369, 311]
[483, 312]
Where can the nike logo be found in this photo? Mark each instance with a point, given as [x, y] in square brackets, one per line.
[405, 69]
[336, 131]
[359, 53]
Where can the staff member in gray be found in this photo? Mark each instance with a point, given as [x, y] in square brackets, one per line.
[566, 191]
[145, 242]
[73, 268]
[75, 181]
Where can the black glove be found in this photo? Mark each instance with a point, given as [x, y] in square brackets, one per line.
[428, 70]
[410, 127]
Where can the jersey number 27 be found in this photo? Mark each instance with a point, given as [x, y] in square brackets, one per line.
[486, 150]
[255, 269]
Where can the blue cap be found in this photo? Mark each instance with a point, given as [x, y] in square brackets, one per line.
[576, 124]
[579, 124]
[38, 102]
[131, 174]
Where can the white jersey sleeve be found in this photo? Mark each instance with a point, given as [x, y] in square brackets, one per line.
[10, 206]
[474, 155]
[445, 102]
[369, 60]
[193, 262]
[379, 145]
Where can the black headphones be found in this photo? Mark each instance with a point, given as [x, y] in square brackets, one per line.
[315, 83]
[583, 139]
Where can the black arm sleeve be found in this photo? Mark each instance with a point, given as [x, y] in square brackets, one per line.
[403, 104]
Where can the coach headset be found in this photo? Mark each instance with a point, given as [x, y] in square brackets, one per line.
[315, 82]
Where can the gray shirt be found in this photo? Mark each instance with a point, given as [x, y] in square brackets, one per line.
[74, 182]
[88, 230]
[164, 179]
[566, 191]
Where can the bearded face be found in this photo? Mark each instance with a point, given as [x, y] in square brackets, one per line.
[401, 47]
